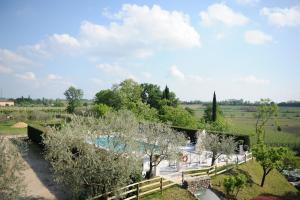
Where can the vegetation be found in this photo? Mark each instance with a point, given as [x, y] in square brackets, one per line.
[233, 185]
[11, 166]
[276, 184]
[216, 144]
[77, 164]
[265, 111]
[159, 143]
[73, 97]
[269, 158]
[242, 121]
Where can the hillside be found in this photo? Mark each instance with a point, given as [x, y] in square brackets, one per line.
[275, 183]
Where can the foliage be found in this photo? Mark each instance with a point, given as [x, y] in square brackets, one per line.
[101, 109]
[214, 109]
[129, 91]
[88, 170]
[289, 161]
[233, 184]
[169, 98]
[73, 97]
[269, 158]
[266, 111]
[159, 142]
[218, 145]
[36, 115]
[151, 95]
[178, 116]
[277, 183]
[220, 123]
[108, 97]
[11, 166]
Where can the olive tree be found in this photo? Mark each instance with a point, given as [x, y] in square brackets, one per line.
[159, 142]
[94, 156]
[217, 144]
[11, 166]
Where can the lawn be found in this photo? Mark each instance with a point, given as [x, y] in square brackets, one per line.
[172, 193]
[7, 129]
[275, 183]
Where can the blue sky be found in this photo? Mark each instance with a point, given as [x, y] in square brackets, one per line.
[240, 48]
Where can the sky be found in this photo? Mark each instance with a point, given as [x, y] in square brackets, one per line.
[246, 49]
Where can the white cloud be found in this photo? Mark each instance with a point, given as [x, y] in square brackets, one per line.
[257, 37]
[282, 16]
[64, 40]
[30, 76]
[247, 2]
[175, 72]
[252, 80]
[5, 70]
[137, 31]
[53, 77]
[13, 60]
[221, 13]
[140, 30]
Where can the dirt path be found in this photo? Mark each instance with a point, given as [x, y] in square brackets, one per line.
[38, 177]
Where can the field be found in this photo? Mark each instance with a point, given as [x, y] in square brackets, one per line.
[7, 129]
[242, 121]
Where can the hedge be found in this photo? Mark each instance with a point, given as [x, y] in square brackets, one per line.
[191, 134]
[35, 132]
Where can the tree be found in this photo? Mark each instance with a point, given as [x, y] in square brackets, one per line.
[108, 97]
[214, 108]
[151, 95]
[101, 109]
[159, 143]
[266, 111]
[169, 98]
[220, 124]
[217, 144]
[11, 166]
[129, 91]
[94, 156]
[178, 116]
[269, 158]
[166, 93]
[73, 97]
[233, 185]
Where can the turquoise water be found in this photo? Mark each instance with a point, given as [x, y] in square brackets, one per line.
[113, 143]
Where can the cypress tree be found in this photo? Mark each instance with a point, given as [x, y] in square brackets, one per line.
[214, 109]
[166, 93]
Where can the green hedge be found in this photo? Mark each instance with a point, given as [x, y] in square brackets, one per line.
[191, 134]
[35, 132]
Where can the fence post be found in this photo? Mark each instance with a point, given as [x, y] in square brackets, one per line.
[137, 191]
[245, 157]
[182, 177]
[161, 185]
[215, 169]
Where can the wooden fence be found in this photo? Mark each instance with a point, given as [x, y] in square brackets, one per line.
[137, 190]
[214, 170]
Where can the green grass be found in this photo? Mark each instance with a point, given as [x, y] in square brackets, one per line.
[172, 193]
[275, 183]
[7, 129]
[242, 121]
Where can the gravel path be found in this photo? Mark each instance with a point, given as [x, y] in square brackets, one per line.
[38, 177]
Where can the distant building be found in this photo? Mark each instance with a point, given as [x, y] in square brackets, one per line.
[5, 102]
